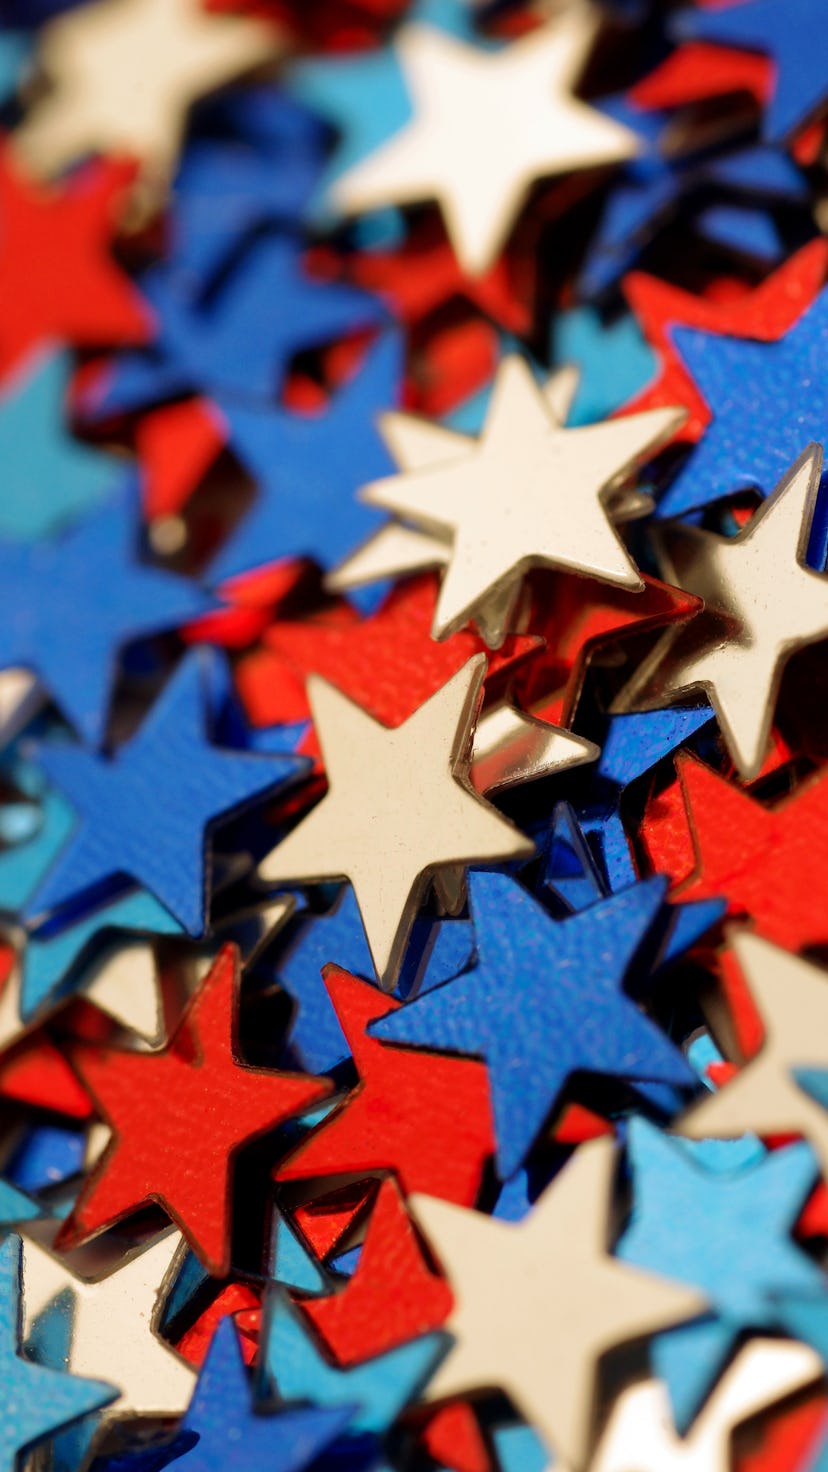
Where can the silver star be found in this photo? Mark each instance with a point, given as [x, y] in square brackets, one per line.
[123, 75]
[399, 807]
[640, 1435]
[511, 747]
[486, 125]
[112, 1322]
[527, 494]
[761, 602]
[791, 996]
[537, 1304]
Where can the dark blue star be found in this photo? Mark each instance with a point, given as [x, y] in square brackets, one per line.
[145, 812]
[308, 469]
[546, 1000]
[241, 340]
[36, 1402]
[73, 602]
[794, 35]
[750, 385]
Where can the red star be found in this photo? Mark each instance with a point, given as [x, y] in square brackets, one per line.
[176, 445]
[87, 300]
[788, 1439]
[755, 856]
[234, 1298]
[325, 1220]
[178, 1117]
[387, 663]
[699, 70]
[576, 619]
[391, 1298]
[452, 1438]
[763, 314]
[425, 1116]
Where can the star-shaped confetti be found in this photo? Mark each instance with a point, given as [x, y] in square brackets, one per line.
[110, 796]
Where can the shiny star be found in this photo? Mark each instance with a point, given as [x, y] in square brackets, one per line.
[791, 996]
[399, 809]
[761, 603]
[461, 95]
[538, 1303]
[123, 75]
[528, 494]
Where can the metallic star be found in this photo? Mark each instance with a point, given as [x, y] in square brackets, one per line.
[537, 1304]
[513, 108]
[761, 603]
[791, 997]
[111, 1323]
[399, 808]
[123, 75]
[640, 1435]
[528, 494]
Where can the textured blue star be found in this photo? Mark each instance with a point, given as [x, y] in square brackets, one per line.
[727, 1232]
[545, 1001]
[795, 35]
[749, 385]
[308, 468]
[145, 812]
[377, 1390]
[317, 1041]
[49, 478]
[36, 1402]
[73, 603]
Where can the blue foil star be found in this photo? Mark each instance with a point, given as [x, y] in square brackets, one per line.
[546, 1000]
[145, 812]
[36, 1402]
[74, 602]
[308, 469]
[744, 1254]
[749, 385]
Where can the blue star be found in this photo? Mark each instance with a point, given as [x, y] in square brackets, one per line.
[545, 1001]
[74, 602]
[749, 385]
[145, 812]
[726, 1232]
[614, 360]
[36, 1402]
[24, 864]
[376, 1390]
[52, 962]
[231, 1434]
[48, 477]
[308, 469]
[795, 35]
[316, 1039]
[241, 342]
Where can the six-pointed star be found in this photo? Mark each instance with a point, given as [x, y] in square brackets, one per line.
[538, 1304]
[761, 602]
[528, 494]
[461, 95]
[399, 809]
[791, 996]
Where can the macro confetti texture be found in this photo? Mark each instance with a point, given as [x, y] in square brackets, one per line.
[413, 735]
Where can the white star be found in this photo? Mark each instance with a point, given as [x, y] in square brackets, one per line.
[537, 1304]
[486, 125]
[399, 807]
[528, 493]
[123, 74]
[761, 602]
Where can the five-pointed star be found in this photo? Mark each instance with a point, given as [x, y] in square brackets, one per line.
[152, 1378]
[150, 1100]
[513, 109]
[123, 75]
[761, 603]
[791, 996]
[537, 1304]
[527, 494]
[399, 808]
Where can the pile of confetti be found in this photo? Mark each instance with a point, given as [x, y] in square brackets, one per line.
[413, 736]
